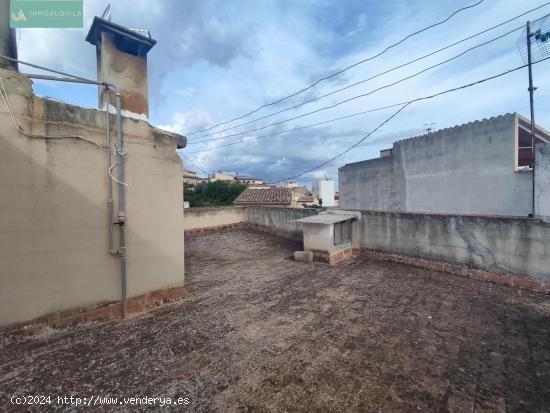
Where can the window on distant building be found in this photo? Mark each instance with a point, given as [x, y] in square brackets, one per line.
[342, 232]
[525, 148]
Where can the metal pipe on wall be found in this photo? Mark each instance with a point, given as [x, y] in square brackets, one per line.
[121, 205]
[62, 79]
[112, 251]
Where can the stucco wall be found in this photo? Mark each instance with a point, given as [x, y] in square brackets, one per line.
[54, 251]
[468, 169]
[542, 181]
[277, 220]
[272, 219]
[197, 218]
[518, 246]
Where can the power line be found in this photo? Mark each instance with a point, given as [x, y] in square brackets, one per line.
[194, 164]
[363, 94]
[393, 115]
[381, 73]
[403, 107]
[341, 70]
[298, 128]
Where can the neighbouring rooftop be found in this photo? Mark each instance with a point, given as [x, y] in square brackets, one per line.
[265, 196]
[258, 331]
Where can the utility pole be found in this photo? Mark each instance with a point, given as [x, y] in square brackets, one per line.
[532, 107]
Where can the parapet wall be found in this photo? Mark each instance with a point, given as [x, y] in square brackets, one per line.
[508, 250]
[269, 219]
[505, 245]
[277, 220]
[212, 218]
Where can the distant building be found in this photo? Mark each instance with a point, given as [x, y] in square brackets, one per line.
[302, 190]
[481, 167]
[191, 178]
[288, 184]
[245, 180]
[220, 176]
[248, 180]
[271, 197]
[307, 200]
[324, 189]
[260, 186]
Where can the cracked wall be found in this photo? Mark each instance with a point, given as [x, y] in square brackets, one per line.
[518, 246]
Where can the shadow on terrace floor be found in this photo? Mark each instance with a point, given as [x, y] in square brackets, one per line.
[260, 332]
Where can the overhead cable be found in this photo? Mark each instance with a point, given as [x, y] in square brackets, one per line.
[338, 72]
[381, 73]
[341, 102]
[403, 107]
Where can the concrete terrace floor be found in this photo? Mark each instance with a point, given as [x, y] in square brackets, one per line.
[260, 332]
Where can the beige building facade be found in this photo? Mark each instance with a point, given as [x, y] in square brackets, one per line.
[191, 178]
[61, 250]
[54, 249]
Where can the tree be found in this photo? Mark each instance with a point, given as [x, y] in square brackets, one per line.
[217, 193]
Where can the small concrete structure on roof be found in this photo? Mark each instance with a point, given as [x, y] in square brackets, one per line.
[122, 62]
[329, 235]
[127, 40]
[329, 217]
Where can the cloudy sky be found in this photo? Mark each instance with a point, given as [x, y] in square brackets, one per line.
[216, 60]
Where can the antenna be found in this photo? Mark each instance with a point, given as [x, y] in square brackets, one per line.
[538, 36]
[107, 13]
[428, 127]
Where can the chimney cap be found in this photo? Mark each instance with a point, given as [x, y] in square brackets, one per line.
[126, 40]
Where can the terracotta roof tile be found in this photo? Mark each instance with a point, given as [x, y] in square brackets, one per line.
[269, 196]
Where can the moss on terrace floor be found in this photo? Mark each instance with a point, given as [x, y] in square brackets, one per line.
[260, 332]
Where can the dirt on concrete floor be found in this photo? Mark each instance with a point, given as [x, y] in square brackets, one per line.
[258, 331]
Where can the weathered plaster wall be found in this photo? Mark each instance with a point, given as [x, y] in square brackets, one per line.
[318, 237]
[277, 220]
[127, 72]
[271, 219]
[53, 209]
[198, 218]
[468, 169]
[519, 246]
[542, 181]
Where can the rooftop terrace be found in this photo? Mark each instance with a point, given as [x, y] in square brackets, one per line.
[258, 331]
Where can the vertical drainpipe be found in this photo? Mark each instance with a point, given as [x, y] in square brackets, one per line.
[121, 205]
[112, 251]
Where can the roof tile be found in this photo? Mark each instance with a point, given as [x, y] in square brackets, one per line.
[269, 196]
